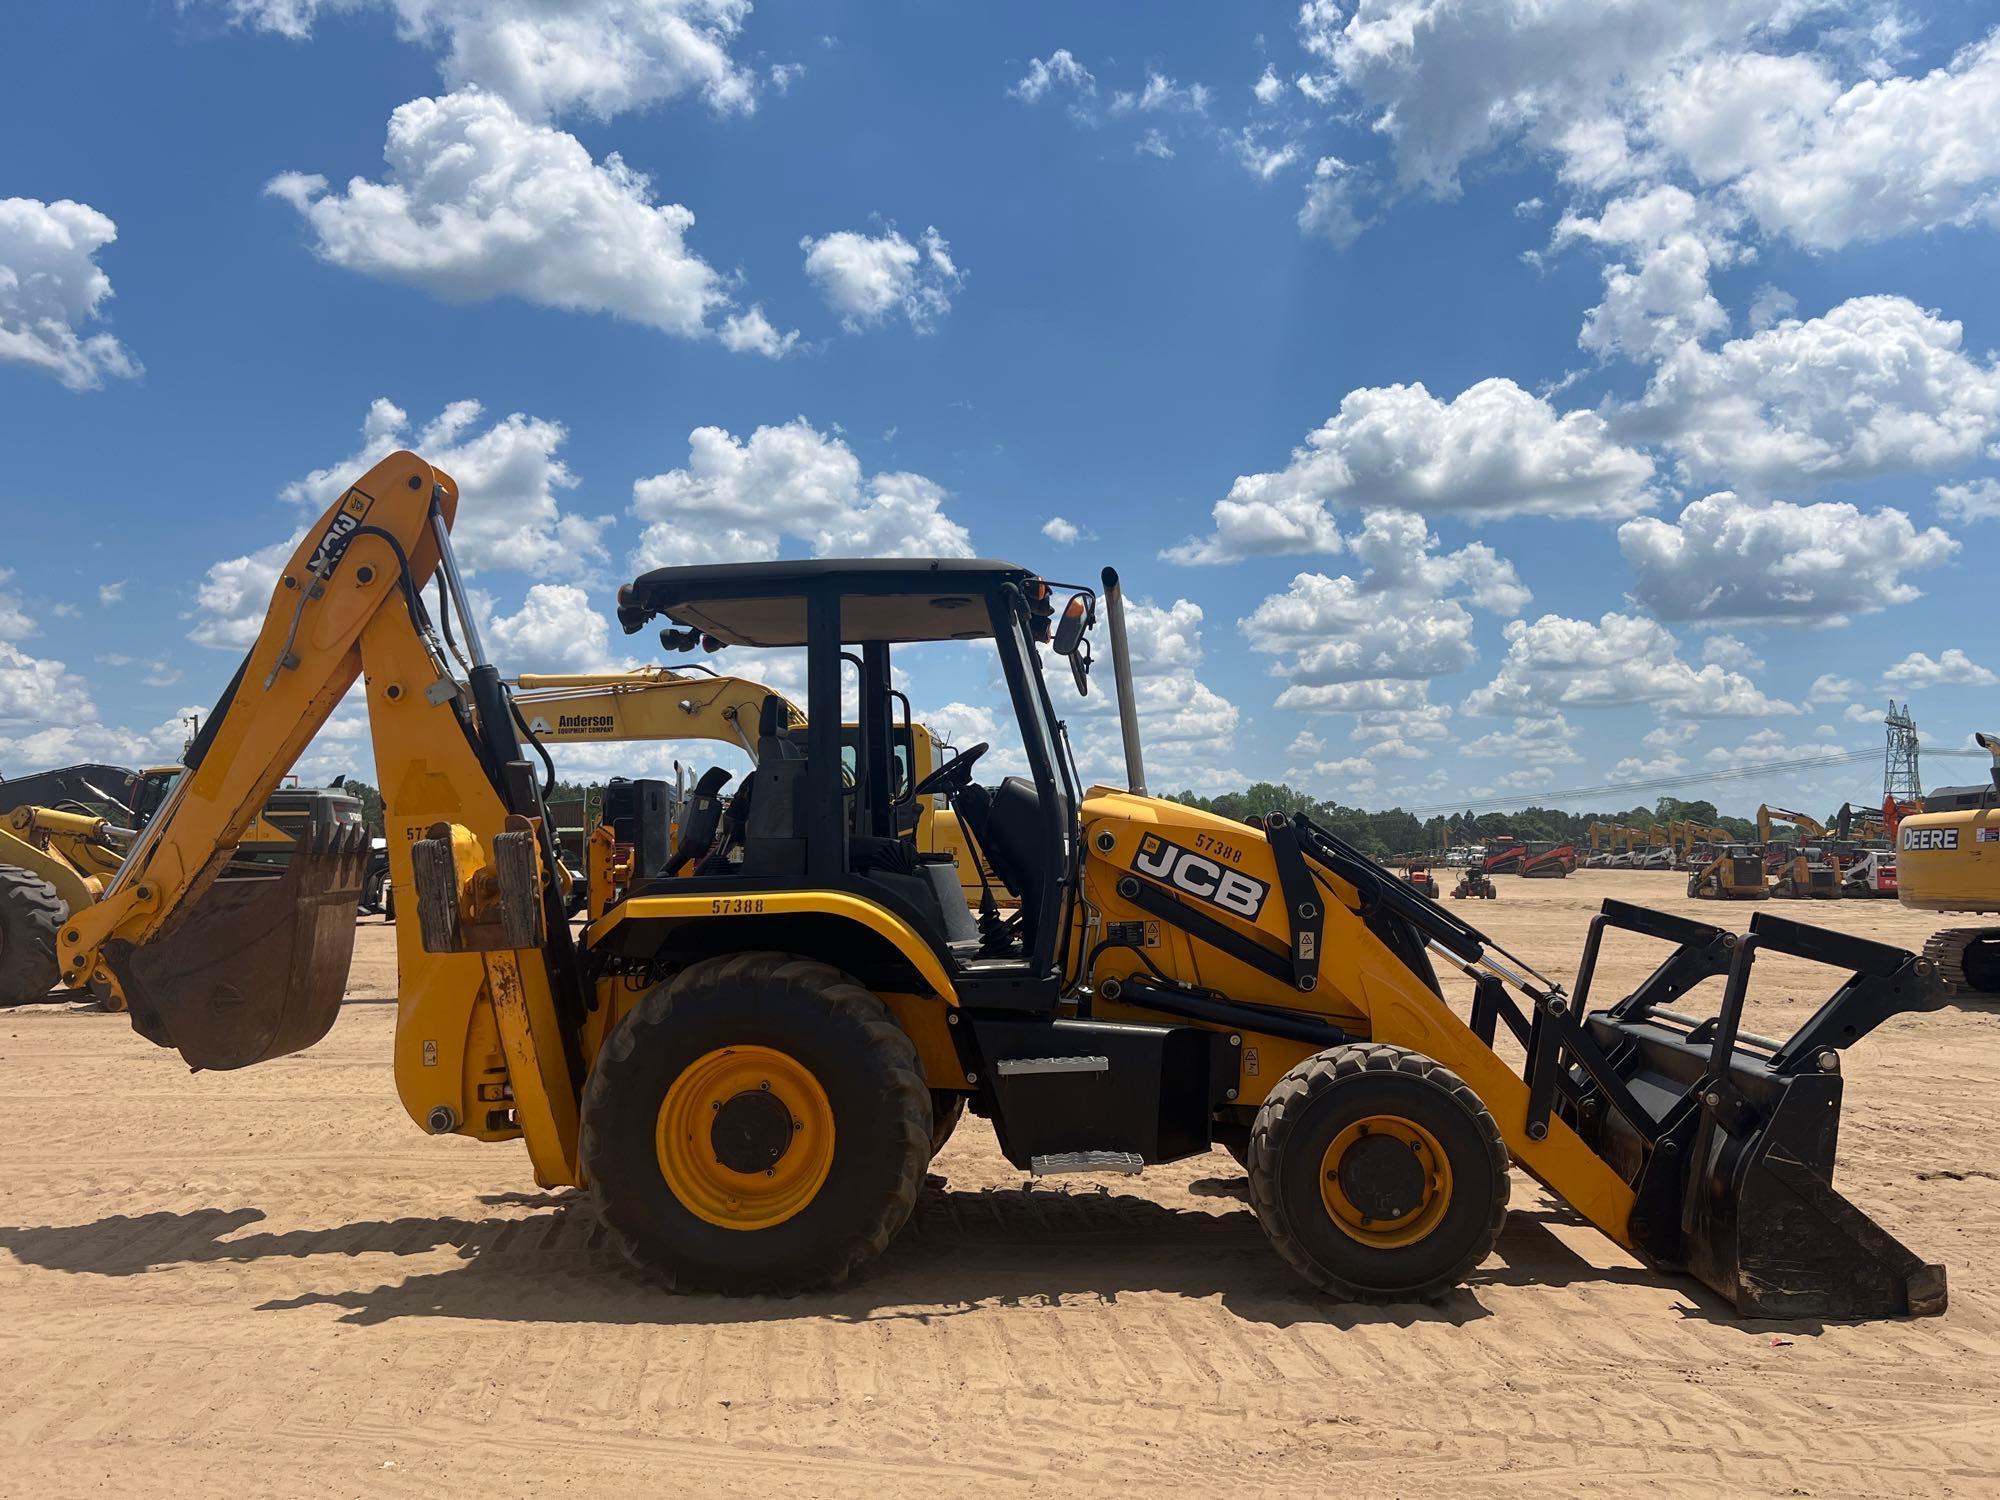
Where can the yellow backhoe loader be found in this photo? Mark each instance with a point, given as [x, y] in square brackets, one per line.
[657, 703]
[1948, 859]
[57, 860]
[748, 1063]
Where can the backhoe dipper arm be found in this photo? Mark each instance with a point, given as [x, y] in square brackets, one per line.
[235, 972]
[306, 657]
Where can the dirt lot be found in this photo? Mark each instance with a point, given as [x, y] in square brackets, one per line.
[269, 1283]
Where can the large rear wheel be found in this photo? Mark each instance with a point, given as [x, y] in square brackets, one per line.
[947, 1109]
[31, 914]
[758, 1124]
[1378, 1174]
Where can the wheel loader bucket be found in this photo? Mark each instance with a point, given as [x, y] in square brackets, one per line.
[1728, 1137]
[257, 968]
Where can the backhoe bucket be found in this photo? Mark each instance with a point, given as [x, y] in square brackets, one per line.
[256, 969]
[1728, 1137]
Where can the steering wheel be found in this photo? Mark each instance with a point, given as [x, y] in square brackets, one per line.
[954, 776]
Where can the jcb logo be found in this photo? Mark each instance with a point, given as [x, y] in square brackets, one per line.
[1930, 838]
[1236, 893]
[346, 521]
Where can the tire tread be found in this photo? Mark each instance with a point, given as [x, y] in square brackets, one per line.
[1308, 1081]
[810, 982]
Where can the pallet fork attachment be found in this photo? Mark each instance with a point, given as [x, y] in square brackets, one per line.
[1727, 1136]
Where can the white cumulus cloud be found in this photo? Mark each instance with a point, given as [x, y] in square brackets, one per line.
[1951, 668]
[1556, 662]
[480, 202]
[1873, 386]
[1493, 450]
[51, 289]
[864, 277]
[1975, 500]
[1727, 559]
[740, 499]
[510, 479]
[603, 57]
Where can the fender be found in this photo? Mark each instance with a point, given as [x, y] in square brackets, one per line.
[759, 906]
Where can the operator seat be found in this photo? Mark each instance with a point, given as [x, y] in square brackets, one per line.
[1006, 822]
[703, 815]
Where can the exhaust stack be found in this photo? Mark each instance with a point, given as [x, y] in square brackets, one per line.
[1121, 674]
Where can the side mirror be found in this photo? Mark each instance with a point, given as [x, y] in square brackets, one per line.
[1077, 617]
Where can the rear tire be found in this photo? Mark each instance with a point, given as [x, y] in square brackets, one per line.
[1373, 1129]
[31, 914]
[730, 1040]
[947, 1109]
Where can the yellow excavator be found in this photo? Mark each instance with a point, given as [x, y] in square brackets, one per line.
[659, 703]
[1948, 859]
[747, 1062]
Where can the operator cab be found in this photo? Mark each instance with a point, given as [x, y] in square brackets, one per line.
[832, 809]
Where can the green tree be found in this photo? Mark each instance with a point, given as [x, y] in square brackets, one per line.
[371, 804]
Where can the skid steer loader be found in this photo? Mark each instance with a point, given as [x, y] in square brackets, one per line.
[747, 1062]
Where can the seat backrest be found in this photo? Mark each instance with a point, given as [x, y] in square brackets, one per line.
[699, 822]
[774, 739]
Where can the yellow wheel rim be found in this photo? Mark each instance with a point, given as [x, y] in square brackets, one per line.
[1406, 1222]
[745, 1137]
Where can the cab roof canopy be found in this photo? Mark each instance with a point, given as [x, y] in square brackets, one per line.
[882, 599]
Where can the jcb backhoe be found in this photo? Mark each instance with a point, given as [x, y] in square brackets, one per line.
[747, 1063]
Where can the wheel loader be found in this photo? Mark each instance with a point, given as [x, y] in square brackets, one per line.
[747, 1063]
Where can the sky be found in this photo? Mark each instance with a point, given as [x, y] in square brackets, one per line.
[1482, 400]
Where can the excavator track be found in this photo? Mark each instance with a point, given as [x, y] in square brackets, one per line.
[1967, 960]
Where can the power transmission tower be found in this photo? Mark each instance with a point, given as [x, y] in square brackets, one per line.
[1899, 758]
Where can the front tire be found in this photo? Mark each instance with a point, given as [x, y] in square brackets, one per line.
[757, 1125]
[31, 914]
[1377, 1174]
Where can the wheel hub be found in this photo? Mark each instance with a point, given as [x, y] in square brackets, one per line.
[1382, 1177]
[745, 1137]
[752, 1131]
[1385, 1181]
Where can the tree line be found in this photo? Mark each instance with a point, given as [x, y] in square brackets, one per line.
[1396, 832]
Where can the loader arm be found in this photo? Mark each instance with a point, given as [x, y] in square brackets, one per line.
[233, 973]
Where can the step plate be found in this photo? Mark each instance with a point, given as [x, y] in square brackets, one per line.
[1131, 1163]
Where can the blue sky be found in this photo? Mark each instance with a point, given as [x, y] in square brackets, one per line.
[1483, 399]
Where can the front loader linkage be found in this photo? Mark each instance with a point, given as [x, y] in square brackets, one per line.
[1727, 1136]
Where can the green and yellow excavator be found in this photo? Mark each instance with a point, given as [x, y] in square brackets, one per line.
[748, 1055]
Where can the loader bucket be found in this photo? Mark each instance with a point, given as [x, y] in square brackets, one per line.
[256, 969]
[1728, 1137]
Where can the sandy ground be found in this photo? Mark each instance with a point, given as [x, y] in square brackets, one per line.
[269, 1283]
